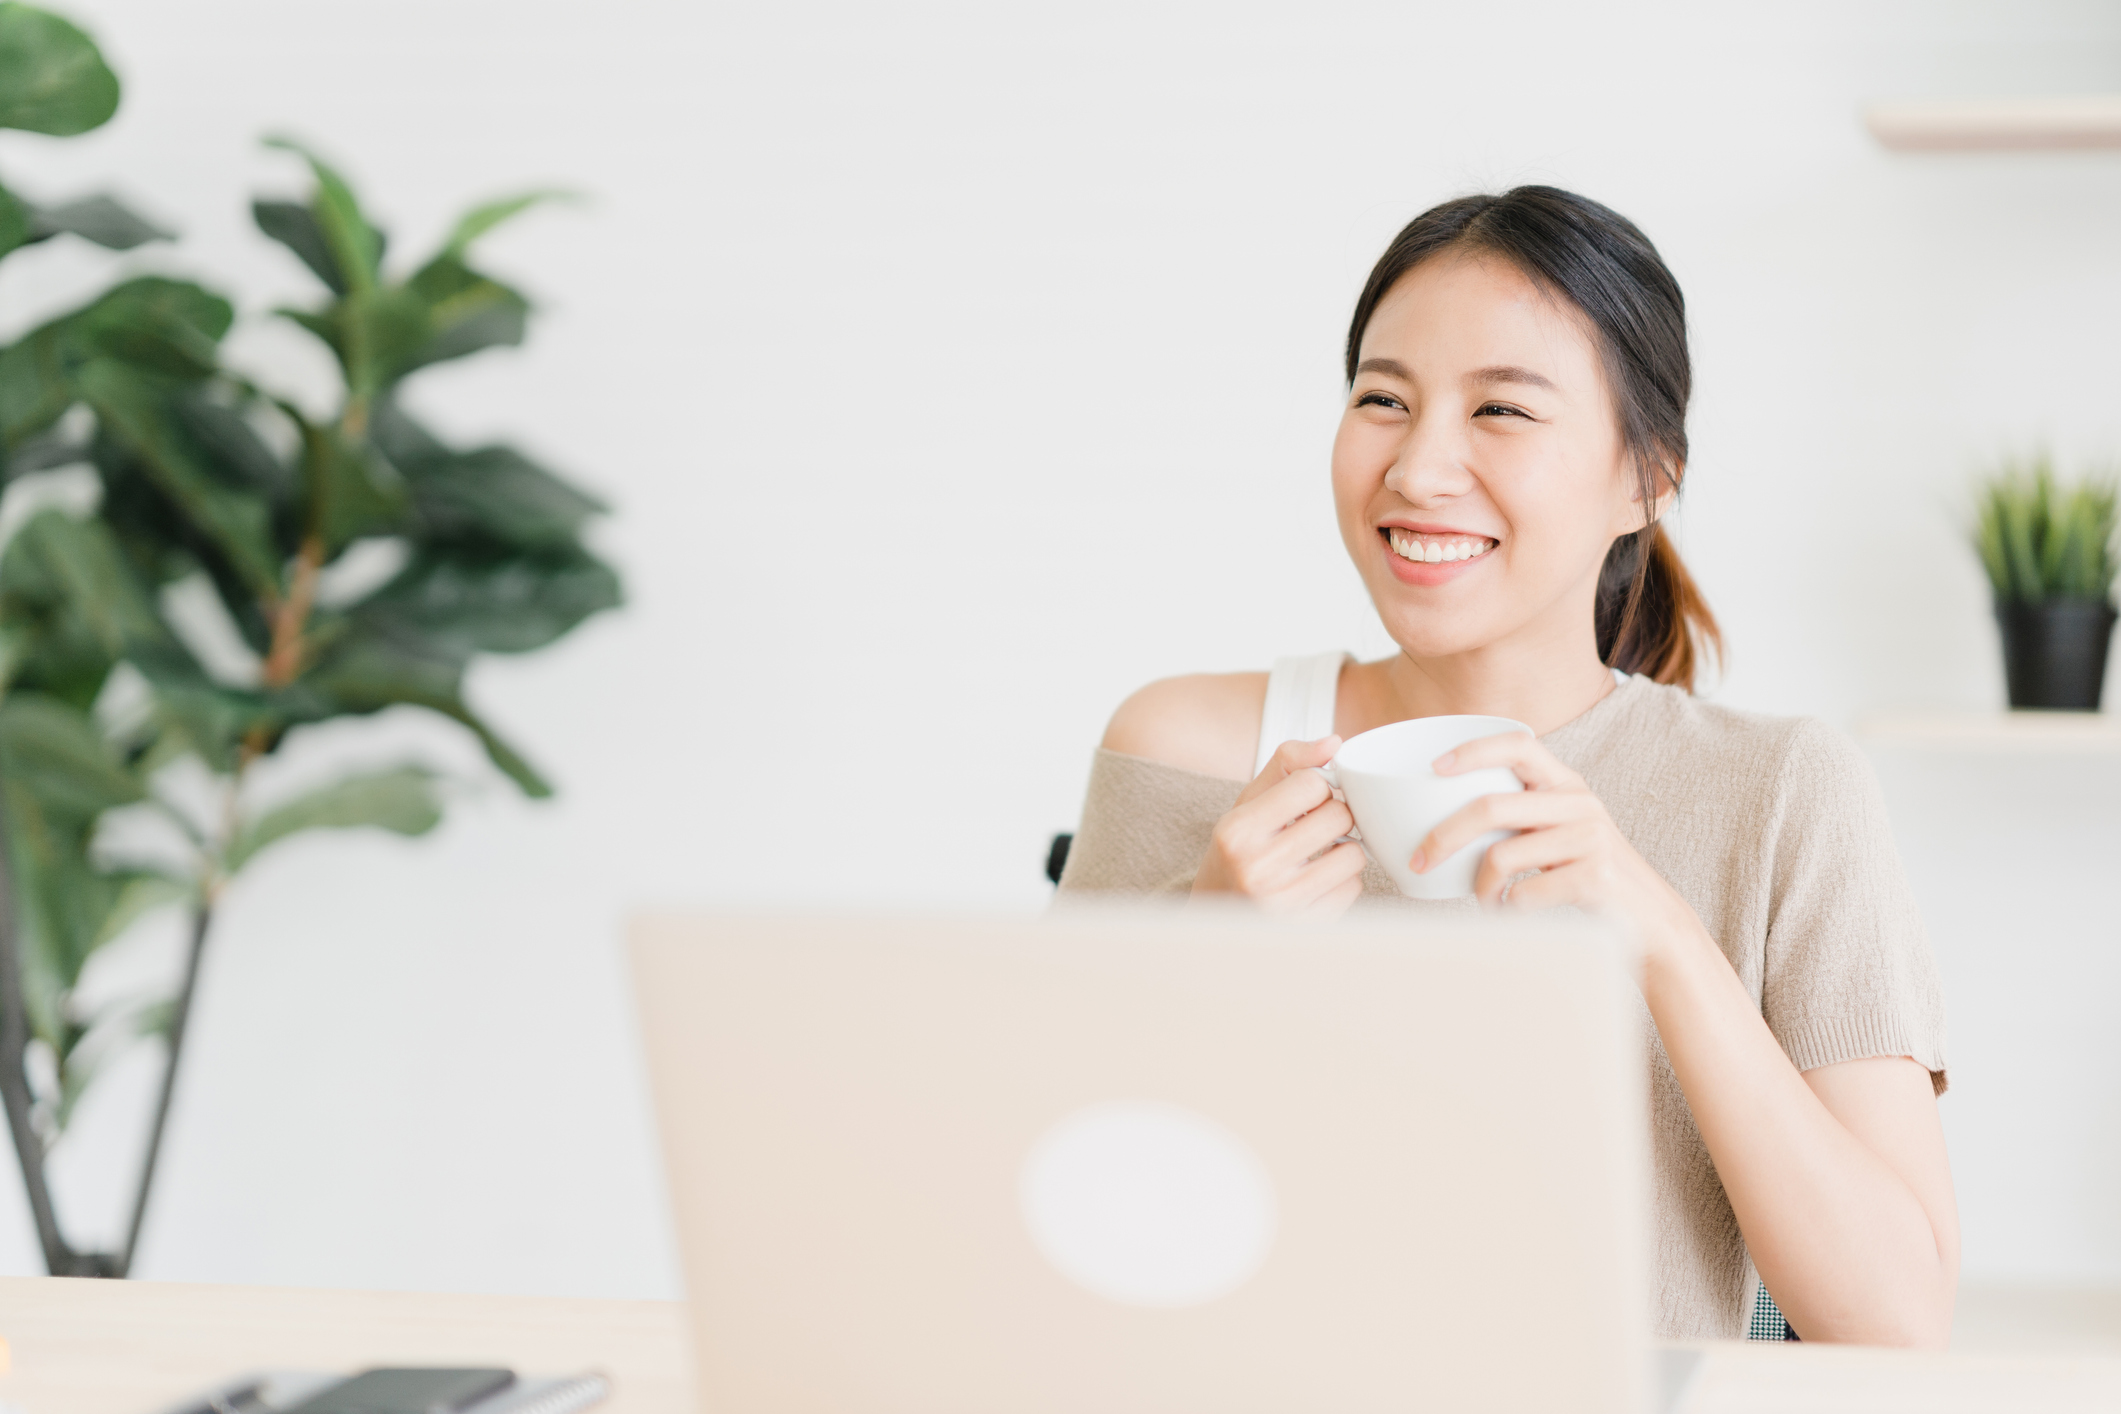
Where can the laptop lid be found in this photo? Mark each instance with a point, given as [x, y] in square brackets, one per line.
[1136, 1161]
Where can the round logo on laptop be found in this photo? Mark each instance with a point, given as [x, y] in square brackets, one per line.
[1148, 1203]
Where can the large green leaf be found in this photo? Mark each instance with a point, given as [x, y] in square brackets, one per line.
[102, 1040]
[349, 491]
[18, 222]
[402, 800]
[223, 431]
[204, 719]
[54, 752]
[376, 333]
[235, 520]
[467, 599]
[41, 853]
[483, 218]
[296, 227]
[506, 757]
[366, 668]
[68, 608]
[41, 451]
[497, 494]
[356, 246]
[381, 333]
[68, 907]
[141, 893]
[78, 562]
[170, 326]
[466, 312]
[52, 79]
[402, 439]
[100, 219]
[36, 384]
[94, 609]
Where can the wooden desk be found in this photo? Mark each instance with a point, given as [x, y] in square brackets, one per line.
[107, 1347]
[1741, 1377]
[123, 1347]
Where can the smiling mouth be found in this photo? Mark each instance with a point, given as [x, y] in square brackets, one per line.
[1436, 549]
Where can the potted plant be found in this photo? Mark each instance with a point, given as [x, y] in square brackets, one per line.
[356, 559]
[2049, 553]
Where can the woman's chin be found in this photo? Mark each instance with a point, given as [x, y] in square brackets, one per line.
[1420, 636]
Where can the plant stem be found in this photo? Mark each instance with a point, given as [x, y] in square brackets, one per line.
[59, 1259]
[283, 663]
[200, 920]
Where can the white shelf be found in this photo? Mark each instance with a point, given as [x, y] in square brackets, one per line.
[1998, 124]
[2043, 733]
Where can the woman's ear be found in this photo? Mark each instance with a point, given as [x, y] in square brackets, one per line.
[1668, 478]
[1632, 514]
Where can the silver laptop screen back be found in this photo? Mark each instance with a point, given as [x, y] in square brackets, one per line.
[1128, 1162]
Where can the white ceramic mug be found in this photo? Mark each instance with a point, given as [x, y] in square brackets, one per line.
[1396, 798]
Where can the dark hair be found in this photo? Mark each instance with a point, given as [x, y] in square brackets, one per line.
[1651, 618]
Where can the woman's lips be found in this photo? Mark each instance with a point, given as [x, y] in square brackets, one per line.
[1420, 557]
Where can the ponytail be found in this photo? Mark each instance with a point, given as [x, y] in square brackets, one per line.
[1652, 618]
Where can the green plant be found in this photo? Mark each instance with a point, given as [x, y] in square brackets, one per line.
[2039, 541]
[359, 559]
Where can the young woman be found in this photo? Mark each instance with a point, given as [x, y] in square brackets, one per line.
[1515, 428]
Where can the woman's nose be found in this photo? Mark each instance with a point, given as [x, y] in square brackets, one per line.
[1431, 467]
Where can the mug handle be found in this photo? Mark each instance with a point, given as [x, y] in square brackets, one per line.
[1332, 778]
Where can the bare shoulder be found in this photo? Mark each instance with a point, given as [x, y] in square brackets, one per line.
[1206, 722]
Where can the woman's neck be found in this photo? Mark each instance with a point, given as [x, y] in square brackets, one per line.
[1532, 684]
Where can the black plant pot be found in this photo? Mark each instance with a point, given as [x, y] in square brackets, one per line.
[2054, 652]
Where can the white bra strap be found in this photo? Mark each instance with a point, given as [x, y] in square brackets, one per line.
[1301, 693]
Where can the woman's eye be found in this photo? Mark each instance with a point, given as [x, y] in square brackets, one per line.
[1378, 400]
[1498, 410]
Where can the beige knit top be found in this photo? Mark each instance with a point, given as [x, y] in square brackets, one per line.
[1772, 828]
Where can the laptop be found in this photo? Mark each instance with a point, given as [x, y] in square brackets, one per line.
[1133, 1161]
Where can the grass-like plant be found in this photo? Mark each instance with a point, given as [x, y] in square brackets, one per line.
[2041, 541]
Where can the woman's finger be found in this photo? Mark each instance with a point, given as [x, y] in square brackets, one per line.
[1309, 835]
[1342, 896]
[1323, 877]
[1521, 752]
[1505, 810]
[1556, 848]
[1543, 849]
[1552, 889]
[1251, 825]
[1290, 758]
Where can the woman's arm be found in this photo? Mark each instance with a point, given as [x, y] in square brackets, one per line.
[1838, 1175]
[1279, 845]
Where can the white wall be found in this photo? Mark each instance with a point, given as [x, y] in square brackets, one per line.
[955, 369]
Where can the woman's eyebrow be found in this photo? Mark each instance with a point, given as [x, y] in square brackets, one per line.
[1509, 373]
[1496, 373]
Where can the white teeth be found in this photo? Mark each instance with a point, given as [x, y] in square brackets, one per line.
[1409, 546]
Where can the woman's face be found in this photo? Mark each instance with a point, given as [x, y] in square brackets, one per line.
[1479, 472]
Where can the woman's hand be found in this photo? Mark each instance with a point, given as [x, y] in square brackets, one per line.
[1579, 853]
[1277, 845]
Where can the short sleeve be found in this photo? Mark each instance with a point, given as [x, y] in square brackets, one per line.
[1145, 827]
[1848, 971]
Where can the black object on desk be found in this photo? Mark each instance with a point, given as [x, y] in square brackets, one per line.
[408, 1392]
[403, 1391]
